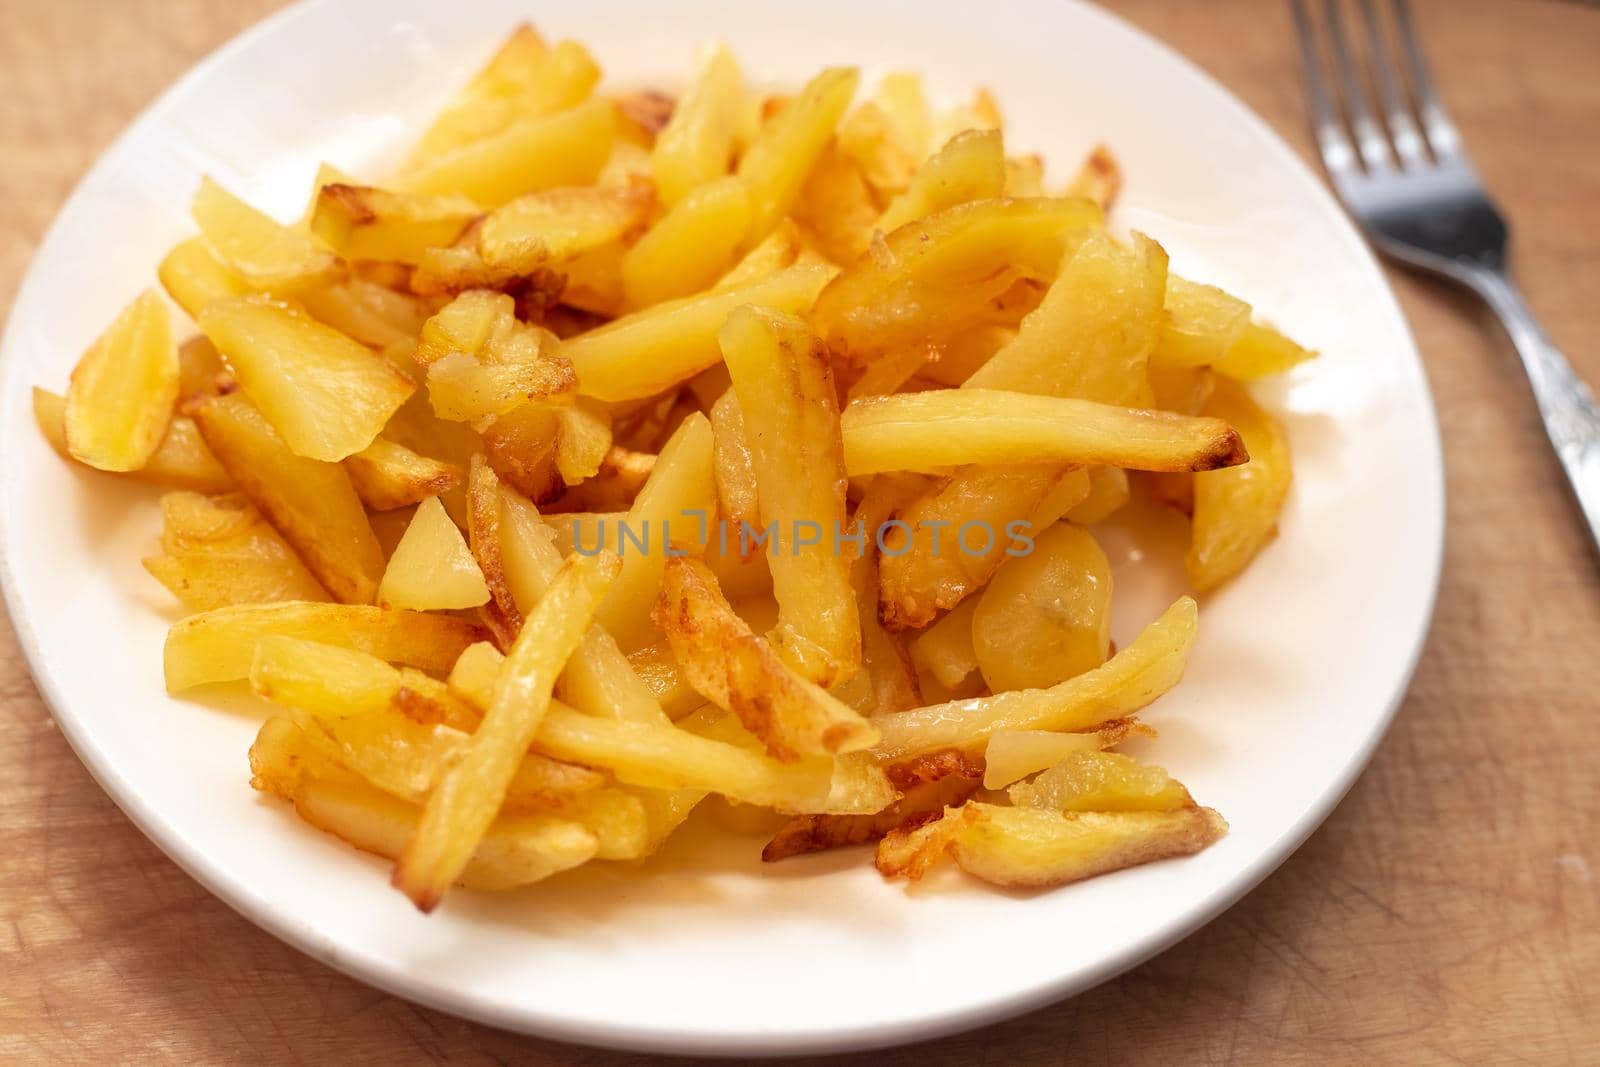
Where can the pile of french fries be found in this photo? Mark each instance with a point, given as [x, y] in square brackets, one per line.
[452, 463]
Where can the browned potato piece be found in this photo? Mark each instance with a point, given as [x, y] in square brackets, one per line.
[971, 166]
[367, 312]
[1099, 178]
[1126, 682]
[193, 276]
[465, 326]
[1202, 323]
[387, 475]
[776, 164]
[219, 551]
[1236, 511]
[691, 246]
[311, 503]
[1108, 492]
[1046, 616]
[327, 395]
[362, 222]
[936, 276]
[735, 470]
[550, 227]
[1261, 352]
[262, 252]
[431, 568]
[939, 428]
[181, 462]
[782, 376]
[696, 145]
[945, 650]
[218, 646]
[1092, 780]
[123, 390]
[1014, 754]
[737, 670]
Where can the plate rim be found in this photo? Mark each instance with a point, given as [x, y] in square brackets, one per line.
[529, 1020]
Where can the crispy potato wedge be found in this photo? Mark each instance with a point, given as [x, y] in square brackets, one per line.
[1128, 681]
[737, 670]
[696, 145]
[1012, 755]
[521, 447]
[1092, 780]
[193, 276]
[1202, 323]
[524, 79]
[465, 326]
[776, 164]
[262, 252]
[431, 568]
[1236, 511]
[463, 389]
[219, 551]
[583, 439]
[939, 428]
[218, 646]
[365, 311]
[1026, 848]
[941, 274]
[387, 475]
[735, 469]
[784, 382]
[972, 166]
[945, 649]
[328, 396]
[691, 246]
[484, 514]
[531, 153]
[1045, 617]
[649, 351]
[363, 222]
[311, 503]
[182, 461]
[1261, 352]
[123, 390]
[552, 226]
[464, 803]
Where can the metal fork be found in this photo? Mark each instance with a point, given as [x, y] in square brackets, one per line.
[1405, 178]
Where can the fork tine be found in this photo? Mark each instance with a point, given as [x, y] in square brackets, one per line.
[1403, 130]
[1369, 135]
[1442, 135]
[1338, 155]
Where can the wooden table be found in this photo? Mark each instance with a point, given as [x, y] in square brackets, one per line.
[1448, 911]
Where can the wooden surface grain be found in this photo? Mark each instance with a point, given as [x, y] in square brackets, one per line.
[1448, 911]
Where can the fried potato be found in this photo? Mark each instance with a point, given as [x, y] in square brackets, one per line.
[219, 551]
[836, 208]
[387, 476]
[218, 646]
[691, 246]
[311, 503]
[1108, 492]
[1092, 780]
[365, 311]
[1202, 323]
[121, 397]
[261, 251]
[649, 351]
[583, 439]
[938, 275]
[1012, 755]
[945, 649]
[1261, 352]
[1099, 178]
[739, 671]
[1045, 617]
[325, 394]
[1027, 848]
[776, 164]
[431, 568]
[696, 145]
[784, 383]
[363, 222]
[972, 166]
[463, 389]
[182, 461]
[735, 469]
[530, 154]
[193, 276]
[777, 251]
[465, 326]
[1128, 681]
[524, 79]
[553, 226]
[464, 802]
[940, 428]
[889, 135]
[1236, 511]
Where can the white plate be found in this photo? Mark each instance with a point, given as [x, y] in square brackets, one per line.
[1297, 671]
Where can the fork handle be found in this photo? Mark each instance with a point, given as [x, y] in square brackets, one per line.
[1571, 417]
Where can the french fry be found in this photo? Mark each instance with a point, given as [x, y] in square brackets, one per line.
[465, 801]
[691, 246]
[553, 226]
[193, 276]
[649, 351]
[776, 164]
[311, 503]
[1236, 511]
[218, 646]
[1092, 780]
[521, 447]
[1202, 323]
[533, 153]
[784, 383]
[182, 461]
[1012, 755]
[219, 551]
[940, 428]
[1128, 681]
[972, 166]
[262, 252]
[777, 251]
[325, 394]
[739, 671]
[836, 209]
[696, 145]
[365, 311]
[735, 469]
[945, 649]
[889, 135]
[1261, 352]
[431, 568]
[463, 389]
[387, 475]
[123, 389]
